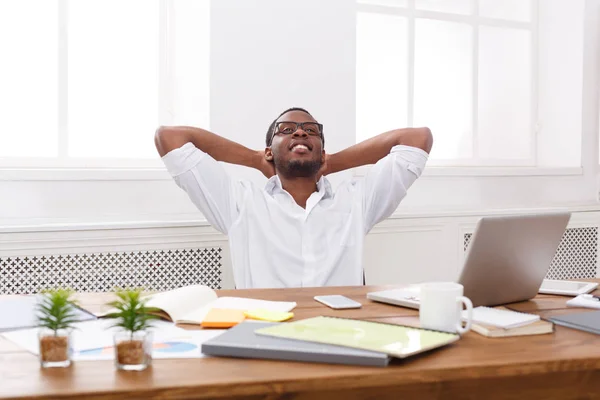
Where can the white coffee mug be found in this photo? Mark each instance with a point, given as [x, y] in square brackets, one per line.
[441, 307]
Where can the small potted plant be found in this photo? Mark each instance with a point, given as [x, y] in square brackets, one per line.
[56, 316]
[133, 344]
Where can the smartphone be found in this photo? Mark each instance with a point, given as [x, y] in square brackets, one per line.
[566, 288]
[338, 302]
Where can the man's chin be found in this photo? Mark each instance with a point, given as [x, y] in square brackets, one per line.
[302, 168]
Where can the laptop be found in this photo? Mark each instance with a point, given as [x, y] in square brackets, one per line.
[506, 262]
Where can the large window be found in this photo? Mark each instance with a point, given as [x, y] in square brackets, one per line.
[465, 68]
[87, 82]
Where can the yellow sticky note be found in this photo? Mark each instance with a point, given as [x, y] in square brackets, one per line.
[222, 318]
[268, 315]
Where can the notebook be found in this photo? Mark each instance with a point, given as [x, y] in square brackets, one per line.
[20, 312]
[190, 304]
[395, 340]
[535, 328]
[501, 317]
[242, 342]
[586, 321]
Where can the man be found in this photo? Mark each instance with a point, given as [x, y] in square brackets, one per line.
[296, 231]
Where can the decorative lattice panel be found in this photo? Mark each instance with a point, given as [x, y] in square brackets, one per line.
[576, 256]
[102, 272]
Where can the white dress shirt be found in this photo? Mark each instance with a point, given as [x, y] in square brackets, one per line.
[276, 243]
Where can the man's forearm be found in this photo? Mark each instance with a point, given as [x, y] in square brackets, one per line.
[372, 150]
[168, 138]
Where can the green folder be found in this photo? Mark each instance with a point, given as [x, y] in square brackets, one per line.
[396, 340]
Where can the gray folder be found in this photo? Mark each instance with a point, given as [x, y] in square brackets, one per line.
[585, 321]
[241, 341]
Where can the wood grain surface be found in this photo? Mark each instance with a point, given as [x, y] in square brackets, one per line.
[562, 365]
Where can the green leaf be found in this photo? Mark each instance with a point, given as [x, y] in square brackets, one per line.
[56, 309]
[130, 313]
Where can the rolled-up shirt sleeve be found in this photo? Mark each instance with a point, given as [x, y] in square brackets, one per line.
[207, 184]
[387, 182]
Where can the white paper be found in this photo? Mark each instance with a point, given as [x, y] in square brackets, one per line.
[501, 318]
[185, 344]
[178, 302]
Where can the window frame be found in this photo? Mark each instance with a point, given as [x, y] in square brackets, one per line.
[474, 20]
[64, 167]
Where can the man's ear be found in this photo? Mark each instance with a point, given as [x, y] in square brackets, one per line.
[268, 154]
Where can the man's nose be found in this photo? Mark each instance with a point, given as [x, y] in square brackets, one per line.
[300, 132]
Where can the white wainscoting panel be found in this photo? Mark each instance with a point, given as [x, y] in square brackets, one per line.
[408, 251]
[399, 250]
[413, 250]
[100, 258]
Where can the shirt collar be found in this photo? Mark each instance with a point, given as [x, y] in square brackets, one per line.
[323, 185]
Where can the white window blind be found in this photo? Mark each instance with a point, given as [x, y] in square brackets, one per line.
[86, 83]
[464, 68]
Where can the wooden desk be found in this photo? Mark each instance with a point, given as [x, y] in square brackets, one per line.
[562, 365]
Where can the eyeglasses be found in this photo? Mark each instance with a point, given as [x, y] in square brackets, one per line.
[289, 127]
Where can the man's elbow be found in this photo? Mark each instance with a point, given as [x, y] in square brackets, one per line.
[162, 139]
[416, 137]
[425, 139]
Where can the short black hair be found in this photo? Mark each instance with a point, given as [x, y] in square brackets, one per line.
[269, 137]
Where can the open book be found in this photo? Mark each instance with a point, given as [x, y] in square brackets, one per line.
[190, 304]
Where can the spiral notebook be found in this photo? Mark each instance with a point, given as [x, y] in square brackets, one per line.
[501, 317]
[395, 340]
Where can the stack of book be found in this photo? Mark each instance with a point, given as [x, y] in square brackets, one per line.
[327, 340]
[501, 322]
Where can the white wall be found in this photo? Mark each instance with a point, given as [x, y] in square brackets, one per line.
[269, 55]
[259, 68]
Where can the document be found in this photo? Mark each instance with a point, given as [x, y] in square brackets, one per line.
[93, 340]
